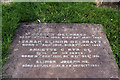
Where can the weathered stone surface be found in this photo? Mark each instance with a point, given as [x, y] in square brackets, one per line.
[106, 66]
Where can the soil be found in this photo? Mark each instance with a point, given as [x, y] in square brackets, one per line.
[112, 5]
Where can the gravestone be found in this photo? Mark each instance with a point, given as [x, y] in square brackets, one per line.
[60, 50]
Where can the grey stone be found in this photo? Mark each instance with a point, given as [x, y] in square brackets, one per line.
[107, 66]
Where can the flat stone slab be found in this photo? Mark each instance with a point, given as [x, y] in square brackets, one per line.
[60, 50]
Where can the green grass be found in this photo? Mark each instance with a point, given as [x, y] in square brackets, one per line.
[77, 12]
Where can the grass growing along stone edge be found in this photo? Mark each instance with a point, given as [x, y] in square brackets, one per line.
[72, 12]
[0, 41]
